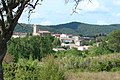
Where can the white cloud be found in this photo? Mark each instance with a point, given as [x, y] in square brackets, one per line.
[47, 22]
[116, 2]
[23, 20]
[89, 6]
[101, 22]
[93, 6]
[20, 21]
[35, 15]
[103, 8]
[118, 14]
[56, 11]
[60, 12]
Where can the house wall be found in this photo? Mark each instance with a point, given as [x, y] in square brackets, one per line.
[77, 43]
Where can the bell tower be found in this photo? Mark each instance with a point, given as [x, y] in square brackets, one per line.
[35, 29]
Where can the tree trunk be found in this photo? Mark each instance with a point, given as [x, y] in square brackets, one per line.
[3, 49]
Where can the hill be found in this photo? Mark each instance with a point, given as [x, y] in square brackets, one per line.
[75, 28]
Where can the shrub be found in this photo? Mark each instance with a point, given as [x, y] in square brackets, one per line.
[23, 70]
[51, 70]
[109, 62]
[33, 70]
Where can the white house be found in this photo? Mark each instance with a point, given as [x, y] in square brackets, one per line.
[56, 35]
[82, 48]
[18, 34]
[66, 40]
[76, 38]
[65, 36]
[58, 49]
[44, 33]
[77, 43]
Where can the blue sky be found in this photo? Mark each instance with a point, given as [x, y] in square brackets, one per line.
[53, 12]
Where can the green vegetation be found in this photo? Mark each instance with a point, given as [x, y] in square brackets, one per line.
[33, 70]
[36, 62]
[75, 28]
[23, 28]
[86, 62]
[114, 41]
[36, 46]
[70, 75]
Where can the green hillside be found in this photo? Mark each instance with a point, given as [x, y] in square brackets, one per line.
[75, 28]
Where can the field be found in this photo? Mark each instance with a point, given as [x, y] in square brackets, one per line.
[93, 76]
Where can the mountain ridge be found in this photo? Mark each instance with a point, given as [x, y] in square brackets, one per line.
[75, 28]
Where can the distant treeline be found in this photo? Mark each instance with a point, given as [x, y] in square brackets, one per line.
[75, 28]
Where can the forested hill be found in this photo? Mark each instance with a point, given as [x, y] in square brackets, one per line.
[75, 28]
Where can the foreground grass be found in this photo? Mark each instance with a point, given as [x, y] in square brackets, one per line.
[109, 60]
[103, 67]
[93, 76]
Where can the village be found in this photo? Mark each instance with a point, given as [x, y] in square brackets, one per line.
[66, 40]
[59, 40]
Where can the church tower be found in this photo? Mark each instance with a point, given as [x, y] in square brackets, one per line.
[35, 30]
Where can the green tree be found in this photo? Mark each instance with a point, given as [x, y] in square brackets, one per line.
[56, 42]
[114, 41]
[36, 46]
[10, 12]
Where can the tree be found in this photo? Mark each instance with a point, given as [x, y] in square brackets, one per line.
[114, 41]
[56, 42]
[36, 46]
[10, 12]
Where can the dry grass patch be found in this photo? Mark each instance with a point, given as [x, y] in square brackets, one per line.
[93, 76]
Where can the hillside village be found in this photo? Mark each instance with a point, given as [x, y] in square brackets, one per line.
[40, 40]
[66, 40]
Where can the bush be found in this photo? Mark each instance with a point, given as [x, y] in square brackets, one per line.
[109, 62]
[51, 70]
[33, 70]
[97, 51]
[113, 40]
[103, 63]
[23, 70]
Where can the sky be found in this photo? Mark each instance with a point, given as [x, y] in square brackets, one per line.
[53, 12]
